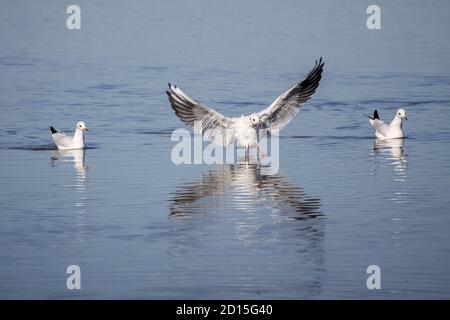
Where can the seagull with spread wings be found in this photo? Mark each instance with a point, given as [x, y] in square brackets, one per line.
[244, 129]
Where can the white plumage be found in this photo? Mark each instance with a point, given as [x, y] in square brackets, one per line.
[392, 130]
[65, 142]
[244, 129]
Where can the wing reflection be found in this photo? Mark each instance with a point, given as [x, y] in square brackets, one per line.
[245, 187]
[254, 233]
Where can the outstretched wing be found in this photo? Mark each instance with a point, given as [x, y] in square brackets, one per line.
[211, 123]
[286, 106]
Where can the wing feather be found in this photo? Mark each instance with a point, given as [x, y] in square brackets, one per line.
[380, 126]
[286, 106]
[62, 140]
[211, 123]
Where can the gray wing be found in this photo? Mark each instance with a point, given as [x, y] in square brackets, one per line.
[286, 106]
[211, 122]
[380, 126]
[61, 139]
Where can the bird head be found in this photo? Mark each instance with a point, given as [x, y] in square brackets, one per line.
[82, 126]
[401, 113]
[255, 121]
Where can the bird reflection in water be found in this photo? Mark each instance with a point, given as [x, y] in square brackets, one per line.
[243, 187]
[250, 202]
[77, 158]
[258, 231]
[392, 151]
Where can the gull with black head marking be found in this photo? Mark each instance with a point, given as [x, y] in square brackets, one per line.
[65, 142]
[244, 129]
[392, 130]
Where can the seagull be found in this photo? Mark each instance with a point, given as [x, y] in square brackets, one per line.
[392, 130]
[245, 129]
[64, 142]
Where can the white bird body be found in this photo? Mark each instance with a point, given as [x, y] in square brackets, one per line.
[244, 129]
[245, 134]
[392, 130]
[65, 142]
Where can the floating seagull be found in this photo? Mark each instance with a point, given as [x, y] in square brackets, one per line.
[64, 142]
[388, 131]
[244, 129]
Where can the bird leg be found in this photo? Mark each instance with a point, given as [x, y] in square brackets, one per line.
[247, 153]
[261, 154]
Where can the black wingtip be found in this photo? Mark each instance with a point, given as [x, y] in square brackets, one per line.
[53, 130]
[375, 115]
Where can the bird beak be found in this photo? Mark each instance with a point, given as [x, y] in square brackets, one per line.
[85, 129]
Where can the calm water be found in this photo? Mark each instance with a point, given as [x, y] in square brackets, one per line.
[141, 227]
